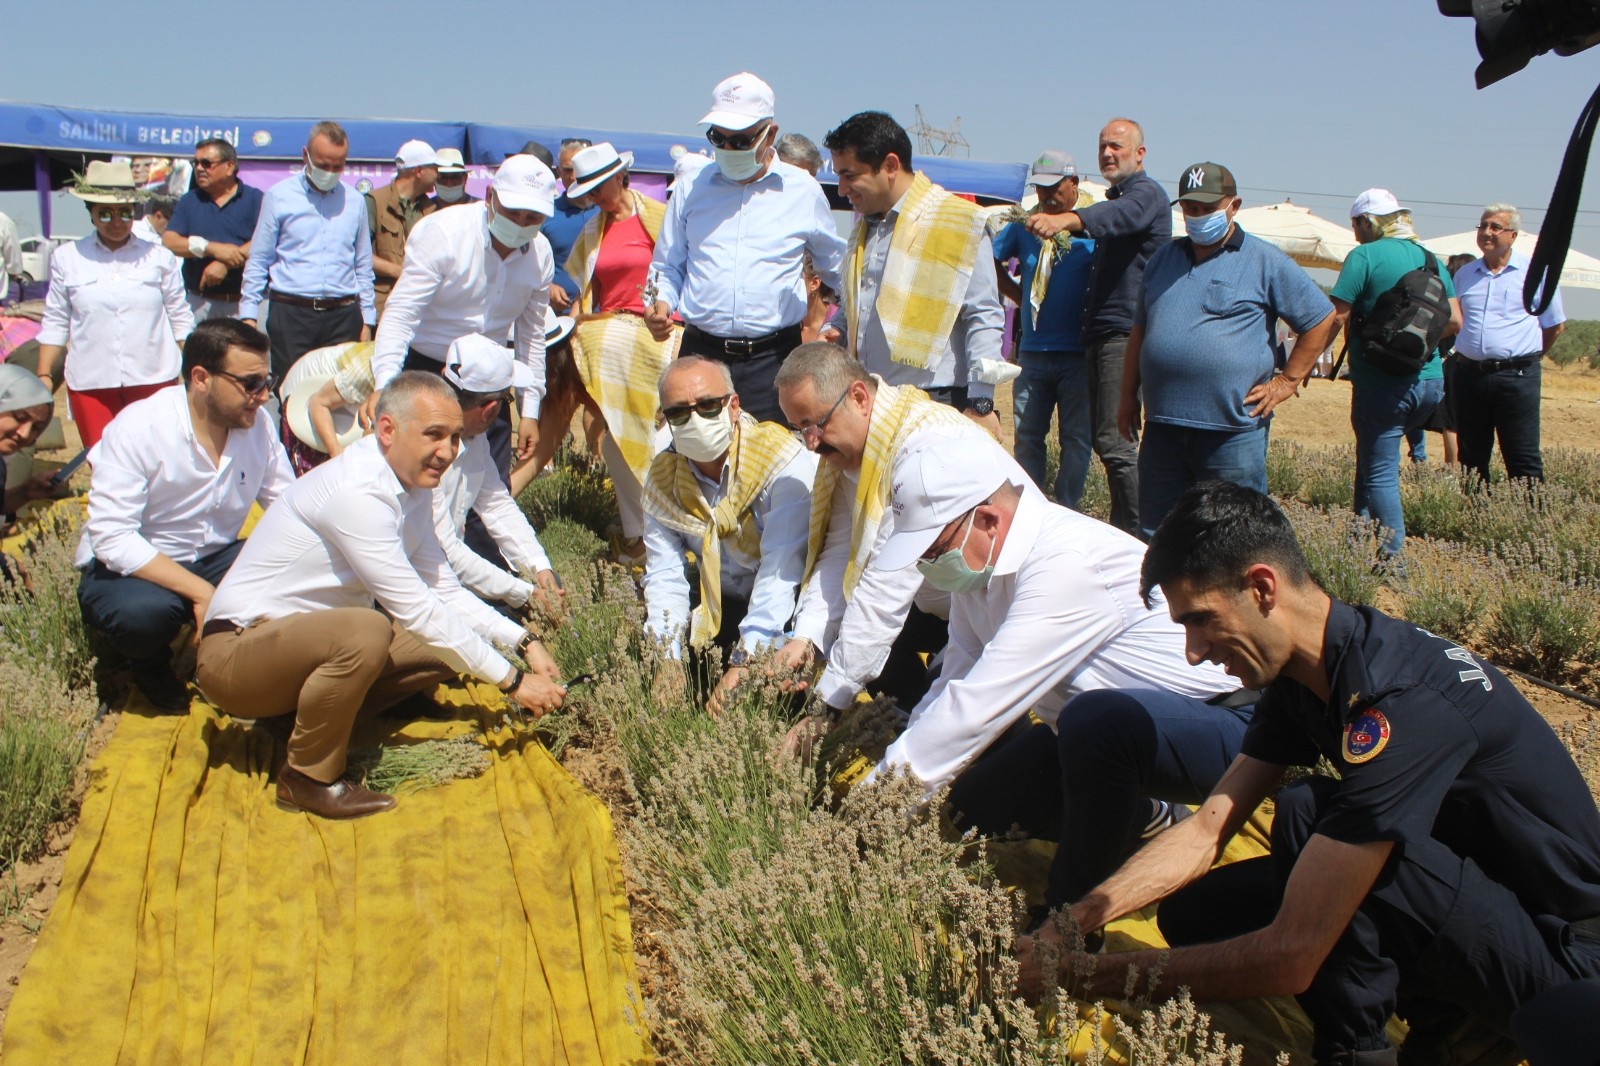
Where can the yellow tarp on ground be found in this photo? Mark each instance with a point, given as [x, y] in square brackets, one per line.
[482, 921]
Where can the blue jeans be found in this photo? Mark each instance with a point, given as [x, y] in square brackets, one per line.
[139, 618]
[1172, 459]
[1381, 416]
[1053, 382]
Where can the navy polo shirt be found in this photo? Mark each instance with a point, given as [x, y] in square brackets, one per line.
[1210, 328]
[1431, 741]
[1127, 227]
[232, 223]
[1060, 326]
[561, 230]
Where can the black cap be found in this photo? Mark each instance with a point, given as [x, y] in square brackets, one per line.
[1206, 183]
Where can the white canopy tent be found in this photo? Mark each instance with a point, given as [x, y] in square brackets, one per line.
[1579, 272]
[1308, 239]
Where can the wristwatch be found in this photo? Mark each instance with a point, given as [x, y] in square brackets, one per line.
[981, 406]
[738, 657]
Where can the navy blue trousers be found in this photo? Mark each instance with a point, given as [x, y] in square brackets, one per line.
[140, 620]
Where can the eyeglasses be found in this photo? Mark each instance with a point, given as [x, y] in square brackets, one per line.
[254, 385]
[207, 164]
[1493, 227]
[946, 541]
[813, 433]
[106, 214]
[709, 407]
[737, 142]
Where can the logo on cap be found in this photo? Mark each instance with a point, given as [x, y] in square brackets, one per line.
[1197, 177]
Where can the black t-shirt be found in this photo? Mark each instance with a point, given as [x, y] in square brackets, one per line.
[1432, 741]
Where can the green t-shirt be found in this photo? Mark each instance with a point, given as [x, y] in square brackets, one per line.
[1369, 271]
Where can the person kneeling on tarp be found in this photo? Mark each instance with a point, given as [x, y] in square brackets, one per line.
[1450, 873]
[342, 602]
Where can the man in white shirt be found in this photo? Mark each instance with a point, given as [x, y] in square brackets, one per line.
[174, 478]
[731, 255]
[861, 618]
[1046, 615]
[734, 492]
[10, 257]
[482, 369]
[342, 601]
[483, 269]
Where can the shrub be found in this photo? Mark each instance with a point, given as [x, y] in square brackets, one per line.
[1577, 344]
[574, 487]
[39, 617]
[1340, 551]
[44, 723]
[1541, 631]
[1446, 592]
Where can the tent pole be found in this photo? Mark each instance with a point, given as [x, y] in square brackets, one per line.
[41, 182]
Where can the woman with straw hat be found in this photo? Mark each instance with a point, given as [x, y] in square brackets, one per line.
[115, 309]
[618, 360]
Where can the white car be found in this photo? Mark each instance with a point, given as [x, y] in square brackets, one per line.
[36, 255]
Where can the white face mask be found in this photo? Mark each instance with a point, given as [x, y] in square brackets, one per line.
[740, 166]
[509, 233]
[703, 440]
[322, 179]
[449, 194]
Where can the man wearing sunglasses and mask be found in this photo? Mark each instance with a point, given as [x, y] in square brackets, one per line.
[174, 479]
[736, 493]
[731, 255]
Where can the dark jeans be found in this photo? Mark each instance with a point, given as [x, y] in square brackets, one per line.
[138, 619]
[1087, 785]
[1503, 403]
[1053, 383]
[498, 435]
[905, 676]
[1103, 363]
[1435, 937]
[1172, 459]
[294, 331]
[754, 374]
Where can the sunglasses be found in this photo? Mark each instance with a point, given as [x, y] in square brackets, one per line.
[947, 541]
[106, 214]
[253, 385]
[710, 407]
[813, 433]
[207, 164]
[737, 142]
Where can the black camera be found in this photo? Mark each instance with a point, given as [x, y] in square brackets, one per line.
[1511, 32]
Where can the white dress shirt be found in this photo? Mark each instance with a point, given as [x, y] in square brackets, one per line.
[10, 254]
[453, 283]
[472, 483]
[856, 635]
[348, 534]
[768, 580]
[730, 258]
[1494, 322]
[155, 491]
[1061, 615]
[121, 313]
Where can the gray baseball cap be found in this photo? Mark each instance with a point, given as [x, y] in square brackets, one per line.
[1051, 166]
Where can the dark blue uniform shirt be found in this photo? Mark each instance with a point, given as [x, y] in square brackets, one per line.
[1127, 227]
[1431, 741]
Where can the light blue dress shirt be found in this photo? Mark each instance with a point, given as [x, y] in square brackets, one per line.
[731, 258]
[1494, 324]
[310, 243]
[769, 581]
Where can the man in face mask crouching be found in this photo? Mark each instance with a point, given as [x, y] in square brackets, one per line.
[737, 494]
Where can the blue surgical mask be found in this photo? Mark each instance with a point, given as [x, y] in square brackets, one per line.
[1207, 229]
[509, 233]
[950, 572]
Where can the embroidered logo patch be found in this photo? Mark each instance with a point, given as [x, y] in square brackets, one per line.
[1366, 736]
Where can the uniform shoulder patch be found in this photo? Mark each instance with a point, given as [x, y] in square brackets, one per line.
[1365, 736]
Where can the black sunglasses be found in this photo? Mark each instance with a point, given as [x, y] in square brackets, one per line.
[253, 385]
[709, 407]
[207, 164]
[737, 142]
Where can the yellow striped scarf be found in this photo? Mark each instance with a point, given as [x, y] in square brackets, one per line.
[673, 497]
[897, 413]
[932, 253]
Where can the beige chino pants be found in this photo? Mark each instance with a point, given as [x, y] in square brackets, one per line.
[324, 667]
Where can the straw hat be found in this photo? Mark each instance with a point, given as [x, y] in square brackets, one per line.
[106, 183]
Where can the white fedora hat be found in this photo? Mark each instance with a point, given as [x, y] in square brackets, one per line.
[345, 423]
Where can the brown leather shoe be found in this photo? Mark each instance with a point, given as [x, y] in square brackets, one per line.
[342, 799]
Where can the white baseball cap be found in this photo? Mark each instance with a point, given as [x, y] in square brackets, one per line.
[1374, 202]
[524, 184]
[474, 363]
[415, 154]
[739, 102]
[450, 161]
[932, 484]
[295, 412]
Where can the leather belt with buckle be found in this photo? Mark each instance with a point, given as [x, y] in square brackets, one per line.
[745, 347]
[1490, 366]
[315, 303]
[220, 625]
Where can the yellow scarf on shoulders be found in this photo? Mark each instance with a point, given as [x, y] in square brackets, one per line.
[586, 249]
[897, 413]
[673, 497]
[932, 253]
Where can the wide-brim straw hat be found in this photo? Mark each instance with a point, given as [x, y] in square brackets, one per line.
[106, 183]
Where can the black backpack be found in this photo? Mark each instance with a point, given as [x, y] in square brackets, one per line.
[1401, 332]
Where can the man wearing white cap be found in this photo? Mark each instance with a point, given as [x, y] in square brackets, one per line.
[342, 602]
[394, 210]
[484, 268]
[731, 256]
[1046, 615]
[450, 188]
[482, 370]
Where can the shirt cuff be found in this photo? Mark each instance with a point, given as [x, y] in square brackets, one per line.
[836, 690]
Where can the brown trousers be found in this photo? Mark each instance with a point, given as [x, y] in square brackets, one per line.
[324, 667]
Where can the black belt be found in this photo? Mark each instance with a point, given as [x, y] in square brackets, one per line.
[220, 625]
[1238, 699]
[1490, 366]
[315, 303]
[745, 347]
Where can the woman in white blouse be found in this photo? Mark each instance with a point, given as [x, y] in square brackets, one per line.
[117, 303]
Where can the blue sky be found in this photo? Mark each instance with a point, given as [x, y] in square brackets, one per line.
[1313, 101]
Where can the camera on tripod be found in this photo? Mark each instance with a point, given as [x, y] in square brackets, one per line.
[1511, 32]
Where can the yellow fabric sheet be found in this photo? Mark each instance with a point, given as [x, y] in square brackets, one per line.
[482, 921]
